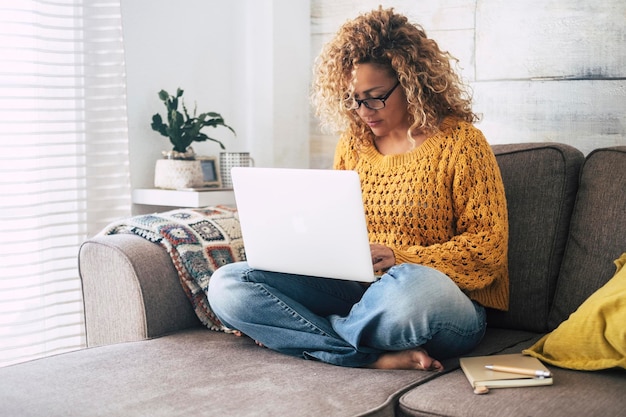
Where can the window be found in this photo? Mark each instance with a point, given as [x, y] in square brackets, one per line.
[64, 169]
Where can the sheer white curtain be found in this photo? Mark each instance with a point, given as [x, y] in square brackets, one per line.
[63, 162]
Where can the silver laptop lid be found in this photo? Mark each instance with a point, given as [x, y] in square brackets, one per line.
[303, 221]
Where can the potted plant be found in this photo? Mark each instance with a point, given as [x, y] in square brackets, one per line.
[180, 167]
[183, 129]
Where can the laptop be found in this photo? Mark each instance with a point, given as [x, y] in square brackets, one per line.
[303, 221]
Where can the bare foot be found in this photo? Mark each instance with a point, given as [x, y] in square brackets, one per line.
[407, 359]
[239, 334]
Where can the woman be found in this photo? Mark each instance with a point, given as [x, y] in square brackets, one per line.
[435, 208]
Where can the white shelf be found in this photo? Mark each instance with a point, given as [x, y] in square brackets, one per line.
[183, 198]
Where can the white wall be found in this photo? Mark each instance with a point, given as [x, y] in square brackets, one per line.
[541, 70]
[246, 59]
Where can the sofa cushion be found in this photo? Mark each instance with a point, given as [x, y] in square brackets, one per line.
[573, 393]
[596, 236]
[593, 337]
[196, 373]
[540, 182]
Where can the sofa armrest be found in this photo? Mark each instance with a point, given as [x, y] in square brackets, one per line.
[131, 290]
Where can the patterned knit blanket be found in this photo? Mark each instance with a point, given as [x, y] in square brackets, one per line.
[199, 241]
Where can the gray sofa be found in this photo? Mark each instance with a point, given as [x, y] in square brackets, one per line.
[149, 355]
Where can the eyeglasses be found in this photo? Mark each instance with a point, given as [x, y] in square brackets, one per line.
[375, 103]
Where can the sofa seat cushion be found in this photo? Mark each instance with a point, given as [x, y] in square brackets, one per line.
[192, 373]
[594, 336]
[574, 393]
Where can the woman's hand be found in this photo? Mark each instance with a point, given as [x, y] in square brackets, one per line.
[382, 257]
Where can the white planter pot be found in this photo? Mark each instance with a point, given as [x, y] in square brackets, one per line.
[173, 174]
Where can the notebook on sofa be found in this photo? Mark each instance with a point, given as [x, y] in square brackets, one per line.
[303, 221]
[505, 371]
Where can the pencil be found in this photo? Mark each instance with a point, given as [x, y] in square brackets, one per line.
[521, 371]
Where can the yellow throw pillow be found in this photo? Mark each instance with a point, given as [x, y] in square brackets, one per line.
[594, 336]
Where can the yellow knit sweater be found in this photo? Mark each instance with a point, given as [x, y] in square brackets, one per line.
[441, 205]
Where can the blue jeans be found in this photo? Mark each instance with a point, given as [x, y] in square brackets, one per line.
[343, 322]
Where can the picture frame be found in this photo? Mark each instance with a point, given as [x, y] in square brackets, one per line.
[210, 171]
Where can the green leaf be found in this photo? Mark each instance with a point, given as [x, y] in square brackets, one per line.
[218, 142]
[158, 125]
[172, 104]
[163, 95]
[185, 110]
[157, 120]
[177, 119]
[185, 128]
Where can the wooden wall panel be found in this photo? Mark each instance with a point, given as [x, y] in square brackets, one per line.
[449, 22]
[550, 39]
[328, 15]
[541, 70]
[586, 114]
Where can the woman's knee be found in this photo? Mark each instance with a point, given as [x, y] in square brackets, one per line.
[225, 289]
[417, 282]
[224, 277]
[421, 294]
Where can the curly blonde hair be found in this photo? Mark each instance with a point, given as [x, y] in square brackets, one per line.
[388, 40]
